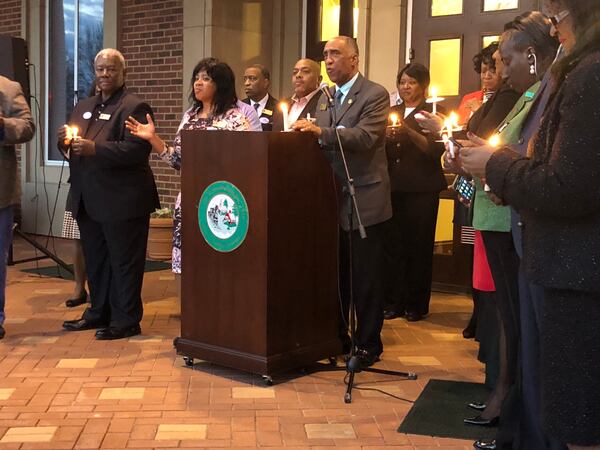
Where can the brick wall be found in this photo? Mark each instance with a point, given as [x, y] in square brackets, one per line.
[10, 17]
[152, 43]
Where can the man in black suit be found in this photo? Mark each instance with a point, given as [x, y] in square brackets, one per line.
[361, 110]
[257, 81]
[306, 79]
[112, 193]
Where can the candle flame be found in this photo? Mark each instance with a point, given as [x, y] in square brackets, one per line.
[433, 91]
[74, 131]
[394, 119]
[494, 140]
[454, 119]
[283, 107]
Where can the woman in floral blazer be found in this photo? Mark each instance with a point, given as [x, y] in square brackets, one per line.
[214, 107]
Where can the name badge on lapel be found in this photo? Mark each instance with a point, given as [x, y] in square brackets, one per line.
[267, 112]
[104, 116]
[323, 107]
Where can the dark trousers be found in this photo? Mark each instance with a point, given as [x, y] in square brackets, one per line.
[504, 265]
[115, 254]
[531, 300]
[367, 277]
[409, 251]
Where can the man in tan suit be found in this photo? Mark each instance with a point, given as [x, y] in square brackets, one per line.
[16, 127]
[361, 111]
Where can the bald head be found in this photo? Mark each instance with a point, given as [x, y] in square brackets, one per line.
[341, 59]
[306, 77]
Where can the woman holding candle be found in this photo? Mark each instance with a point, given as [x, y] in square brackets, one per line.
[550, 188]
[528, 49]
[214, 107]
[416, 180]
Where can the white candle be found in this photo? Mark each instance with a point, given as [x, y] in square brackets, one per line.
[74, 131]
[434, 95]
[284, 110]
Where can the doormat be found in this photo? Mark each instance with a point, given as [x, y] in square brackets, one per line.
[440, 409]
[58, 272]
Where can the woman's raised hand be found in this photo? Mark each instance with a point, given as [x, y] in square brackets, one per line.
[145, 131]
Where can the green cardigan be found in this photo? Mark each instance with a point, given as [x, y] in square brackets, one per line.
[488, 216]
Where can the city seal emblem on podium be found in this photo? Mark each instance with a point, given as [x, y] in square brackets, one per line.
[223, 216]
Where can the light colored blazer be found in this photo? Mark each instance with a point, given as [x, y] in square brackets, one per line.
[361, 123]
[18, 128]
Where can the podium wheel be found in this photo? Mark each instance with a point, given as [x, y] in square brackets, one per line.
[188, 361]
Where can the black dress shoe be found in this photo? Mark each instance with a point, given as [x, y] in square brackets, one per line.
[110, 333]
[477, 406]
[469, 332]
[413, 316]
[81, 324]
[480, 421]
[72, 302]
[389, 314]
[365, 358]
[2, 332]
[483, 444]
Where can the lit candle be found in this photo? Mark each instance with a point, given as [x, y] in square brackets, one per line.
[74, 131]
[454, 121]
[394, 118]
[434, 99]
[448, 127]
[494, 140]
[284, 110]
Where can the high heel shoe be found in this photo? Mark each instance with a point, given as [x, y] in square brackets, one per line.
[477, 406]
[72, 302]
[480, 421]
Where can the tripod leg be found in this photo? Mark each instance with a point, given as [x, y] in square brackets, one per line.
[348, 394]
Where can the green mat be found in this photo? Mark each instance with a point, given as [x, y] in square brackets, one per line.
[440, 409]
[56, 272]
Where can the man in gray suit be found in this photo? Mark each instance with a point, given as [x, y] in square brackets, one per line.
[361, 110]
[16, 126]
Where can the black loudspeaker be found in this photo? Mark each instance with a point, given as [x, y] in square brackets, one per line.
[15, 65]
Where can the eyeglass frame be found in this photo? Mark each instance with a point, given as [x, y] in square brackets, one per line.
[558, 18]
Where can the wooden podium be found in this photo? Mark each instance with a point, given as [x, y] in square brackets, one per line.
[271, 304]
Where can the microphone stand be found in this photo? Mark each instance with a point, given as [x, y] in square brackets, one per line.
[353, 364]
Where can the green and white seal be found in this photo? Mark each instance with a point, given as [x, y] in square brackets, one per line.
[223, 216]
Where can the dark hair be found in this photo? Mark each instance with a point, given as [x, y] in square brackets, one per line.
[485, 56]
[223, 77]
[263, 70]
[532, 29]
[585, 15]
[417, 71]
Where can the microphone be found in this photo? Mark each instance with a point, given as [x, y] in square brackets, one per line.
[325, 90]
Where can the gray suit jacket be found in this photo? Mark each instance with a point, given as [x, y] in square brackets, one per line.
[18, 128]
[361, 123]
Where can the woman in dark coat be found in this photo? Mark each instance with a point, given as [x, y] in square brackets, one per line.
[416, 178]
[554, 190]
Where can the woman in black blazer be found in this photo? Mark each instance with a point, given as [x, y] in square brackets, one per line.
[416, 179]
[555, 190]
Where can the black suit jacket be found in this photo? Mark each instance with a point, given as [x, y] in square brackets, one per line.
[116, 183]
[412, 169]
[491, 114]
[555, 188]
[270, 118]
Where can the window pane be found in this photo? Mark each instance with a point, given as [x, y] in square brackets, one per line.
[444, 230]
[444, 65]
[63, 82]
[487, 40]
[330, 19]
[499, 5]
[446, 7]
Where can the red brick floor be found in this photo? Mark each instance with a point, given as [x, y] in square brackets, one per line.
[61, 390]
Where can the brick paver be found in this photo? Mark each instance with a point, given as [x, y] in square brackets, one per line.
[73, 392]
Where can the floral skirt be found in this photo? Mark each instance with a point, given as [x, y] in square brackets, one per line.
[176, 253]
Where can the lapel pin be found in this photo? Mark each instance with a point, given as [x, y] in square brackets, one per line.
[350, 101]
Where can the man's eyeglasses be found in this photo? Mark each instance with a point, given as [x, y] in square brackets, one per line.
[559, 17]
